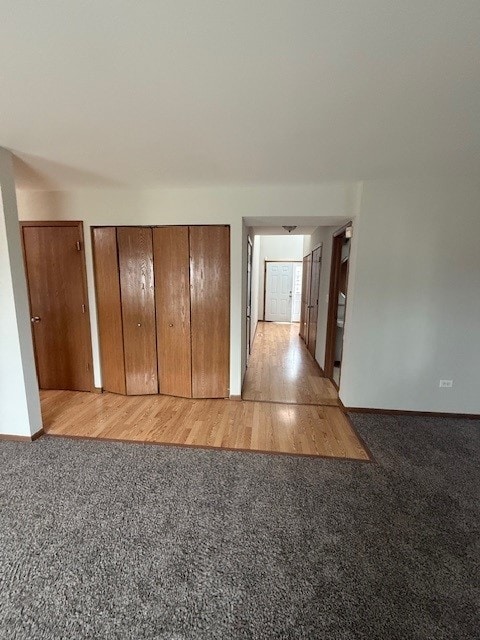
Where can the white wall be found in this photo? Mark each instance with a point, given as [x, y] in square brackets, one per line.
[413, 315]
[205, 205]
[276, 248]
[19, 398]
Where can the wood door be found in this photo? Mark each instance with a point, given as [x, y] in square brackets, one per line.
[55, 270]
[109, 308]
[305, 311]
[135, 254]
[313, 298]
[278, 291]
[172, 295]
[210, 309]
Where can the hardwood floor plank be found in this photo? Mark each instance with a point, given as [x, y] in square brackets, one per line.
[257, 426]
[281, 369]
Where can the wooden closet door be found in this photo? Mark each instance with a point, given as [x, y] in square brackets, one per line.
[135, 254]
[305, 312]
[172, 295]
[109, 308]
[210, 310]
[314, 294]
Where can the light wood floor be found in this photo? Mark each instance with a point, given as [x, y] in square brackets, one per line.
[281, 369]
[277, 428]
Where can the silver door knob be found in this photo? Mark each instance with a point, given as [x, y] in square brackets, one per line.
[139, 324]
[35, 319]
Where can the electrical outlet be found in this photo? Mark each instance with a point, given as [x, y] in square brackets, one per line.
[446, 383]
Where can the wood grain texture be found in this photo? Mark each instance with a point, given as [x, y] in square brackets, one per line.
[109, 308]
[135, 251]
[254, 426]
[306, 279]
[282, 370]
[316, 263]
[172, 295]
[210, 310]
[56, 278]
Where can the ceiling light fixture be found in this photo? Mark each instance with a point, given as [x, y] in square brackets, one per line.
[289, 228]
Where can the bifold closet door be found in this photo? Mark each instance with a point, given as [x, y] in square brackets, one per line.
[109, 308]
[314, 294]
[305, 311]
[135, 256]
[210, 310]
[172, 295]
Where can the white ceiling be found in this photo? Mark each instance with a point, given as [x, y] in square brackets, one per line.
[164, 92]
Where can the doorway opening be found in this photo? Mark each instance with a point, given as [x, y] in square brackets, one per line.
[337, 303]
[282, 321]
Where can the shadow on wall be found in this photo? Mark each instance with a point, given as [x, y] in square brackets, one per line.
[33, 172]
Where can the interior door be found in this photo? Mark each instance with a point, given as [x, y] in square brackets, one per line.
[278, 292]
[135, 254]
[55, 270]
[313, 299]
[297, 291]
[210, 310]
[172, 294]
[305, 311]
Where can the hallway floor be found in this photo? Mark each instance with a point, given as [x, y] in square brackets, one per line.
[281, 369]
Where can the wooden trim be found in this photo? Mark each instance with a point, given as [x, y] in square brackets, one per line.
[337, 242]
[341, 231]
[38, 434]
[63, 223]
[406, 412]
[12, 438]
[211, 448]
[317, 246]
[51, 223]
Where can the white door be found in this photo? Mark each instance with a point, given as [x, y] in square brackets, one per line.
[278, 291]
[297, 291]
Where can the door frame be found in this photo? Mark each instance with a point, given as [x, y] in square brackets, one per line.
[337, 243]
[265, 282]
[248, 327]
[62, 223]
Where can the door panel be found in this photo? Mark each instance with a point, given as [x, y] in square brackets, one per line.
[135, 252]
[109, 308]
[306, 279]
[314, 294]
[210, 310]
[278, 291]
[297, 292]
[172, 294]
[55, 269]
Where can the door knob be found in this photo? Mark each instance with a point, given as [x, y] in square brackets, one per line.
[139, 324]
[35, 319]
[170, 324]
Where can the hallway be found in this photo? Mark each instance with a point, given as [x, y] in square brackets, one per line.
[281, 369]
